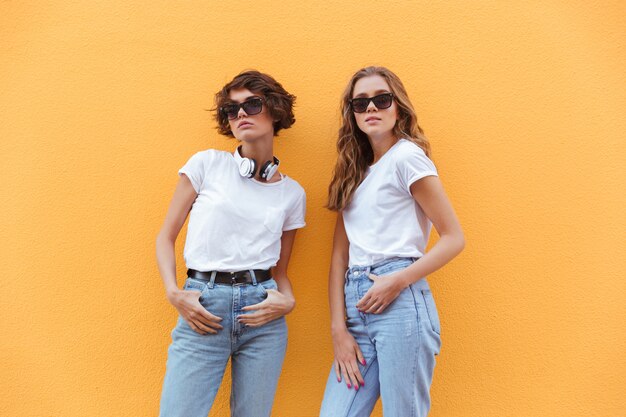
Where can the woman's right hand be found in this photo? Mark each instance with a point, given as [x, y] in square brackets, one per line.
[347, 352]
[188, 305]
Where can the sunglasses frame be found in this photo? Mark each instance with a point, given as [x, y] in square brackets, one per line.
[371, 100]
[240, 106]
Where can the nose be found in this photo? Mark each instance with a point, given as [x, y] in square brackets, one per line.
[371, 106]
[241, 113]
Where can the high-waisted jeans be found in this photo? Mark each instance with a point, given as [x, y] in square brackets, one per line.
[196, 363]
[399, 346]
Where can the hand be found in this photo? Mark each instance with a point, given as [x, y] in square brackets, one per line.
[188, 305]
[274, 306]
[347, 352]
[381, 294]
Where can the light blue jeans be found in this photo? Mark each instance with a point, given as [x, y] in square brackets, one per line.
[196, 363]
[399, 346]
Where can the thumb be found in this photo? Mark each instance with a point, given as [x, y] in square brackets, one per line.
[373, 277]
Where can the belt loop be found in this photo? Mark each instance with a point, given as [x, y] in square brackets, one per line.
[253, 275]
[212, 280]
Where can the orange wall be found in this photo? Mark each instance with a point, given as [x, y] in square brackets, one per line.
[524, 102]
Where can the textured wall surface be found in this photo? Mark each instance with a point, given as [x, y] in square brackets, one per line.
[524, 103]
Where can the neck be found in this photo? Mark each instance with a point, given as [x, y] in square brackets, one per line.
[259, 150]
[380, 145]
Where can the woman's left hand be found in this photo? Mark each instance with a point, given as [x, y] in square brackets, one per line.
[274, 306]
[381, 294]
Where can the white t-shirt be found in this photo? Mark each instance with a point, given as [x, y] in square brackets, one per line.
[236, 223]
[383, 220]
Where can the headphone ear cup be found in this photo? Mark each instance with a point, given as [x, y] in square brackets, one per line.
[247, 167]
[269, 169]
[264, 170]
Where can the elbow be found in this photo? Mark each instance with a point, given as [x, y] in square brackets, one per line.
[163, 238]
[460, 242]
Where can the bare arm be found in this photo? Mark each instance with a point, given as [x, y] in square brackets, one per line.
[184, 196]
[278, 303]
[347, 351]
[280, 270]
[428, 192]
[186, 302]
[336, 277]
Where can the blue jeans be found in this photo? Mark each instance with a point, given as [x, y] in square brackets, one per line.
[399, 346]
[196, 363]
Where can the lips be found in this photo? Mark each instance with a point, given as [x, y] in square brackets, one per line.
[244, 124]
[372, 118]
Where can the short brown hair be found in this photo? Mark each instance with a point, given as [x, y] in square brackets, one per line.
[278, 101]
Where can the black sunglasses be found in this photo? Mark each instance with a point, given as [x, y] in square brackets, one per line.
[381, 101]
[251, 107]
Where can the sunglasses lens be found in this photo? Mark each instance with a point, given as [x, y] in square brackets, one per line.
[253, 106]
[231, 111]
[382, 101]
[359, 105]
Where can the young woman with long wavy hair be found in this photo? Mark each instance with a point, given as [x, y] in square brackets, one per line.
[387, 194]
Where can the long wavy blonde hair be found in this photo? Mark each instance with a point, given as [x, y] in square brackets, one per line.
[354, 150]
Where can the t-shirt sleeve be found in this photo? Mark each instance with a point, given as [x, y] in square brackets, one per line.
[296, 213]
[412, 165]
[195, 169]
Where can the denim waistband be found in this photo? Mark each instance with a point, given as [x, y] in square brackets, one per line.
[358, 270]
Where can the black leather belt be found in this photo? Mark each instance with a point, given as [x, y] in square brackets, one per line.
[231, 278]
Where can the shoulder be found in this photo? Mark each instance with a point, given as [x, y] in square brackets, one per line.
[407, 149]
[293, 187]
[211, 156]
[409, 153]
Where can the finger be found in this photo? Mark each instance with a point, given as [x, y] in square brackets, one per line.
[194, 327]
[206, 318]
[337, 371]
[359, 378]
[363, 300]
[372, 277]
[344, 373]
[381, 308]
[373, 307]
[353, 371]
[257, 323]
[257, 306]
[367, 305]
[257, 318]
[260, 320]
[207, 314]
[360, 357]
[205, 329]
[248, 316]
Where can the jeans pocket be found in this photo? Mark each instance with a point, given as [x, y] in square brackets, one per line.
[267, 285]
[193, 284]
[431, 310]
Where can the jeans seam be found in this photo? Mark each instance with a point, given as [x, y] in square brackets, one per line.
[354, 394]
[419, 344]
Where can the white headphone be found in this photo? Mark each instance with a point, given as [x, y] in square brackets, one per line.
[247, 166]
